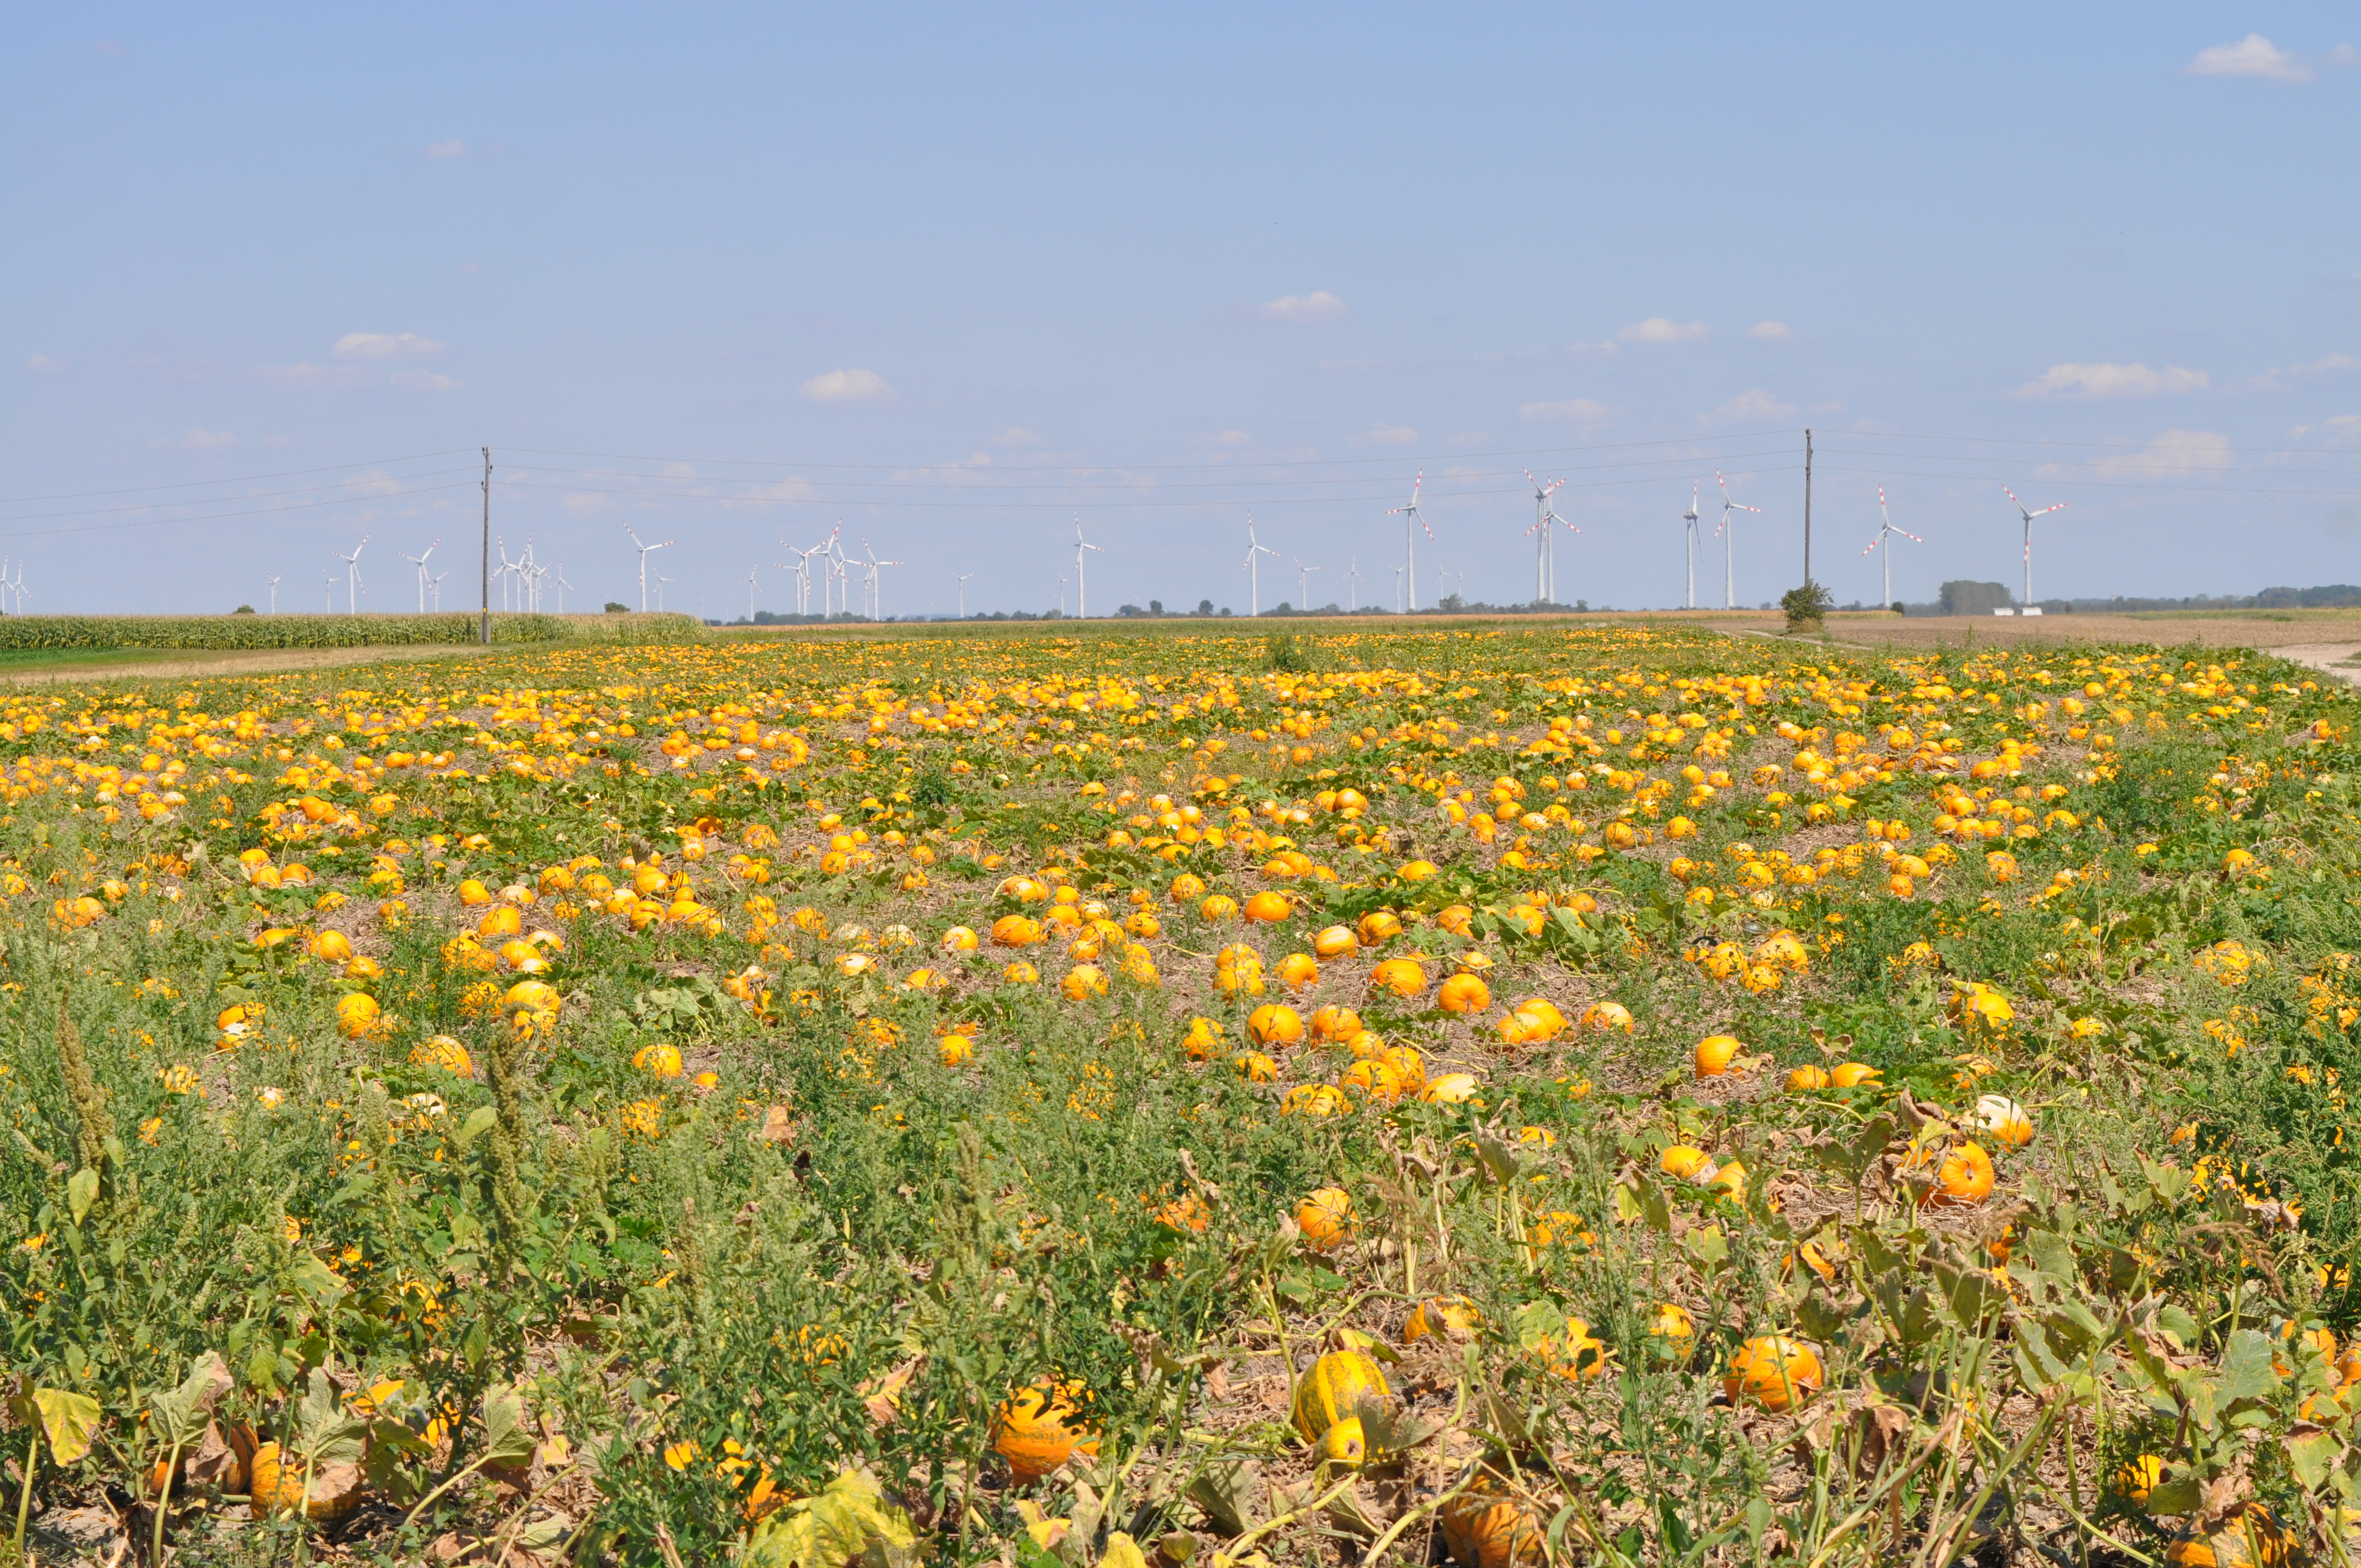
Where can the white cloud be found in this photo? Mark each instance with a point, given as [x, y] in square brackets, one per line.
[310, 375]
[2253, 55]
[454, 147]
[1750, 406]
[1232, 438]
[423, 381]
[2338, 427]
[1388, 435]
[1771, 331]
[2175, 454]
[1578, 411]
[40, 362]
[1317, 306]
[847, 387]
[1660, 329]
[195, 441]
[2276, 377]
[2345, 54]
[2114, 381]
[385, 345]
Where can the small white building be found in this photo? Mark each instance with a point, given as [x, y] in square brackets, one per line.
[2003, 610]
[2030, 610]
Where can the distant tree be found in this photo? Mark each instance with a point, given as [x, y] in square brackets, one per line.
[615, 609]
[1962, 596]
[1806, 606]
[1205, 606]
[243, 610]
[1224, 610]
[1156, 607]
[1898, 608]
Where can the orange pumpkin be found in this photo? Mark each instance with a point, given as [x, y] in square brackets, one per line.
[1464, 994]
[1374, 1079]
[1325, 1218]
[1852, 1074]
[1334, 1025]
[1806, 1079]
[1965, 1176]
[1775, 1372]
[1269, 906]
[1378, 925]
[1274, 1024]
[1715, 1053]
[1016, 931]
[1040, 1427]
[1402, 977]
[1452, 1317]
[1335, 942]
[357, 1015]
[1484, 1528]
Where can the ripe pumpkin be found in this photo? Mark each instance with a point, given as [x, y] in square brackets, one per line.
[660, 1059]
[1451, 1089]
[357, 1015]
[1965, 1176]
[1683, 1162]
[1715, 1053]
[1325, 1218]
[1774, 1371]
[1269, 906]
[1021, 974]
[332, 947]
[1016, 931]
[1464, 994]
[1409, 1068]
[2138, 1477]
[2004, 1119]
[1579, 1357]
[1256, 1067]
[1298, 971]
[1373, 1077]
[1607, 1016]
[1334, 1025]
[1220, 906]
[1204, 1040]
[1345, 1445]
[1378, 925]
[1274, 1024]
[1404, 977]
[1334, 1388]
[1315, 1100]
[1673, 1328]
[1335, 942]
[1852, 1074]
[1483, 1529]
[277, 1486]
[1040, 1427]
[1082, 983]
[1806, 1079]
[1451, 1317]
[960, 939]
[501, 920]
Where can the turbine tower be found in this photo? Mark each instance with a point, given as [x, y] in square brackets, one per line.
[1254, 575]
[1303, 583]
[962, 593]
[1546, 539]
[877, 583]
[750, 571]
[1081, 608]
[419, 562]
[271, 584]
[1353, 590]
[352, 576]
[1728, 529]
[1689, 524]
[2028, 517]
[1885, 537]
[1410, 515]
[645, 551]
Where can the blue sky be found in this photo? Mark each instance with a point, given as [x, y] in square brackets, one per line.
[728, 275]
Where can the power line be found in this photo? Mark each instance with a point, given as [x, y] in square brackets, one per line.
[219, 516]
[235, 479]
[2110, 484]
[216, 500]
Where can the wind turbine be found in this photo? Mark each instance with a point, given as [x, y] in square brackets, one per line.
[1303, 583]
[1728, 529]
[1353, 593]
[1545, 545]
[328, 590]
[1883, 537]
[436, 584]
[1253, 574]
[661, 581]
[1081, 584]
[352, 577]
[962, 595]
[1061, 596]
[507, 573]
[273, 586]
[1398, 588]
[750, 593]
[1410, 514]
[645, 551]
[877, 583]
[419, 562]
[2028, 517]
[1689, 526]
[562, 586]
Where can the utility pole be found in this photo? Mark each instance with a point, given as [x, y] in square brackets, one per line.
[1807, 506]
[488, 548]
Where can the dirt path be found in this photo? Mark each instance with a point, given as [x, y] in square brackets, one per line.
[169, 664]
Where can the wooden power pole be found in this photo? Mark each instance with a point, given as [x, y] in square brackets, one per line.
[1807, 507]
[486, 630]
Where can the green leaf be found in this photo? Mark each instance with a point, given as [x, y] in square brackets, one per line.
[2246, 1369]
[68, 1420]
[478, 1122]
[2177, 1493]
[509, 1436]
[82, 1192]
[2312, 1455]
[181, 1415]
[326, 1432]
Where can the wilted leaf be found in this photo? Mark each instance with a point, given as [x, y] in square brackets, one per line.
[509, 1436]
[325, 1432]
[2312, 1455]
[1231, 1492]
[1122, 1552]
[2246, 1369]
[850, 1518]
[68, 1420]
[182, 1414]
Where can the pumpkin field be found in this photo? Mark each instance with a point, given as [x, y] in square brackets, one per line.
[1509, 1094]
